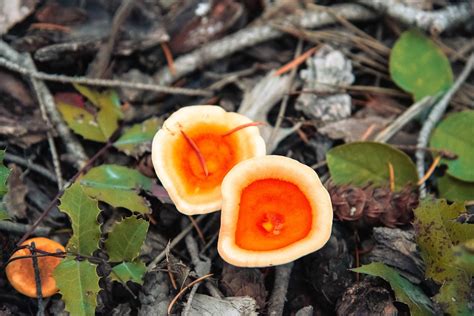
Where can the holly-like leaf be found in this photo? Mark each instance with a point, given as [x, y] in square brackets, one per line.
[136, 140]
[456, 134]
[361, 163]
[118, 186]
[126, 238]
[129, 271]
[83, 212]
[405, 291]
[99, 126]
[455, 190]
[78, 283]
[419, 66]
[437, 234]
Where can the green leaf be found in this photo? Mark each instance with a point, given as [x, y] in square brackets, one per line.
[455, 190]
[437, 234]
[81, 122]
[83, 212]
[456, 134]
[129, 271]
[419, 66]
[126, 239]
[3, 215]
[136, 140]
[464, 256]
[405, 291]
[361, 163]
[78, 283]
[97, 127]
[118, 186]
[4, 173]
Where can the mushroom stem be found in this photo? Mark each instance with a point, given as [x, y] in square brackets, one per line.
[238, 128]
[197, 151]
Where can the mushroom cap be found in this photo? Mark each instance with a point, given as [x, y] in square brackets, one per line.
[21, 274]
[178, 166]
[274, 210]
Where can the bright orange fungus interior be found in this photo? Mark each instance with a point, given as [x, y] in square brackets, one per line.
[220, 154]
[21, 273]
[272, 214]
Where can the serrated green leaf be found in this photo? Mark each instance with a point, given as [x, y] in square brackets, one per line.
[455, 190]
[126, 239]
[361, 163]
[129, 271]
[81, 122]
[78, 284]
[4, 173]
[437, 234]
[136, 140]
[83, 212]
[405, 291]
[419, 66]
[456, 134]
[118, 186]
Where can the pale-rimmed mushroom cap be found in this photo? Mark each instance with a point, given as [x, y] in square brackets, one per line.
[180, 168]
[274, 211]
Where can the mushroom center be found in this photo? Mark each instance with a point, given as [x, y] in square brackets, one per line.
[212, 153]
[272, 214]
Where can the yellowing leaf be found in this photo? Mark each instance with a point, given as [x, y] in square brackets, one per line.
[118, 186]
[98, 127]
[83, 212]
[456, 134]
[419, 66]
[81, 122]
[405, 291]
[438, 232]
[126, 238]
[136, 140]
[78, 284]
[361, 163]
[129, 271]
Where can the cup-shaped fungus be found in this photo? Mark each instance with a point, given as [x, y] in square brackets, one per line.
[21, 274]
[274, 210]
[195, 149]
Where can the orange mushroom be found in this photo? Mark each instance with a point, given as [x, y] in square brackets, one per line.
[21, 274]
[274, 210]
[195, 149]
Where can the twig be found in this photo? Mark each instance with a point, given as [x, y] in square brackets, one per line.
[403, 119]
[175, 299]
[19, 228]
[277, 300]
[286, 97]
[434, 117]
[173, 243]
[102, 59]
[100, 82]
[31, 166]
[253, 35]
[436, 22]
[71, 143]
[37, 87]
[61, 192]
[39, 290]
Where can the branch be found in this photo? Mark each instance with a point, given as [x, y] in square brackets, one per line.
[12, 65]
[434, 117]
[435, 22]
[280, 288]
[253, 35]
